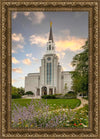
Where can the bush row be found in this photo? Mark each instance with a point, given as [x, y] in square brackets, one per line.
[15, 95]
[48, 96]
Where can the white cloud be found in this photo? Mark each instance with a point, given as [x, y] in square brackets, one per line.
[35, 59]
[16, 47]
[64, 68]
[35, 17]
[71, 43]
[20, 46]
[70, 65]
[38, 40]
[22, 78]
[26, 13]
[60, 55]
[14, 15]
[13, 51]
[18, 70]
[14, 60]
[62, 44]
[17, 37]
[13, 81]
[29, 55]
[27, 61]
[39, 16]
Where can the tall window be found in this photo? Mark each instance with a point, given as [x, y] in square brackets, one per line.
[49, 47]
[48, 73]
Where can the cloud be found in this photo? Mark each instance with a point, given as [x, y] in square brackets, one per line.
[13, 51]
[16, 47]
[22, 78]
[60, 55]
[62, 43]
[71, 43]
[38, 40]
[14, 15]
[13, 81]
[35, 17]
[19, 70]
[14, 60]
[17, 37]
[35, 59]
[64, 68]
[26, 13]
[29, 55]
[70, 65]
[39, 16]
[27, 61]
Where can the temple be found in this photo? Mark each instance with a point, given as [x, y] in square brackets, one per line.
[51, 79]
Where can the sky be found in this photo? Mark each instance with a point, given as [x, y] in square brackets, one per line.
[30, 33]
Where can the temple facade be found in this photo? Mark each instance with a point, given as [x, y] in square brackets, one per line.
[51, 79]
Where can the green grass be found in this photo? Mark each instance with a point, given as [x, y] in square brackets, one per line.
[54, 103]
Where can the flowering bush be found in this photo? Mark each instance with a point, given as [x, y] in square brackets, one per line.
[40, 115]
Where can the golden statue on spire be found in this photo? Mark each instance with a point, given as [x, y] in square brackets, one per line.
[50, 24]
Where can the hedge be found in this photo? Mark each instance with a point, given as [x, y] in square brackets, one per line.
[15, 95]
[48, 96]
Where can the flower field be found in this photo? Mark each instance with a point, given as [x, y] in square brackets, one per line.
[42, 114]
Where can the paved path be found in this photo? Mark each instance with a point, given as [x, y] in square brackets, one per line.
[83, 102]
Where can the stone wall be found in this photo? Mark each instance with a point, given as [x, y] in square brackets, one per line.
[32, 82]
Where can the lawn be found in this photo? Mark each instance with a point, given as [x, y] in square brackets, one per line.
[50, 113]
[53, 103]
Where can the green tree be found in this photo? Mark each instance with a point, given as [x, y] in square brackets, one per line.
[21, 91]
[14, 89]
[29, 93]
[80, 75]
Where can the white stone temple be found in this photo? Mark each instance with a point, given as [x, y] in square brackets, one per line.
[51, 79]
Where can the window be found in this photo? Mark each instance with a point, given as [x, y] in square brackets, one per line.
[49, 47]
[48, 73]
[49, 58]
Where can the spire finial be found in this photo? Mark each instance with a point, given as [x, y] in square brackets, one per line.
[50, 23]
[51, 35]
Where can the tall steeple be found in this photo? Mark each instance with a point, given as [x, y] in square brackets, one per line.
[50, 43]
[51, 35]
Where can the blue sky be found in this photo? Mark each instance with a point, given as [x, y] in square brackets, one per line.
[30, 33]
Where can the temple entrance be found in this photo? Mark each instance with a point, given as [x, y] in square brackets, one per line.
[44, 90]
[50, 91]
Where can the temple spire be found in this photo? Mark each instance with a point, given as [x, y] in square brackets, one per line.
[51, 35]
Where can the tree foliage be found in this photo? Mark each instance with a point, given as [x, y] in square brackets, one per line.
[29, 93]
[19, 91]
[80, 75]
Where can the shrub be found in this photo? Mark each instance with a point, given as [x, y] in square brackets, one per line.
[15, 95]
[70, 94]
[29, 93]
[48, 96]
[58, 94]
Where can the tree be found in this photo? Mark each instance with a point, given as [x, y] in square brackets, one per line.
[21, 91]
[14, 89]
[29, 93]
[80, 75]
